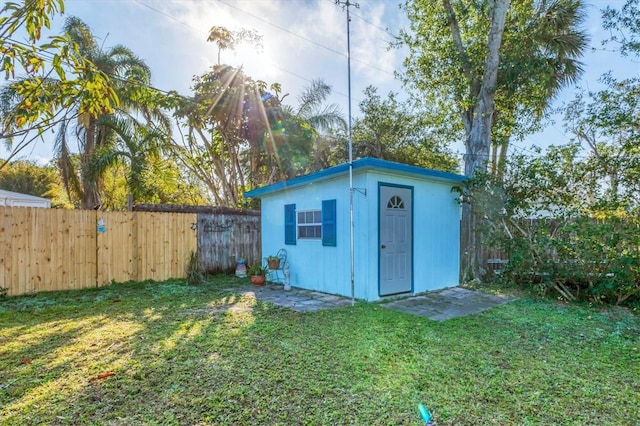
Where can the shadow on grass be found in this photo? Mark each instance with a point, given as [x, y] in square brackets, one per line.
[54, 345]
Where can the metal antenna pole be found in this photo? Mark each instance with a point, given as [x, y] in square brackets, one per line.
[345, 4]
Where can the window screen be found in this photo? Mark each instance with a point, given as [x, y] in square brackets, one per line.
[310, 224]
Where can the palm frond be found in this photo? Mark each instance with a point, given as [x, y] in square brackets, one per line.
[330, 117]
[80, 34]
[312, 97]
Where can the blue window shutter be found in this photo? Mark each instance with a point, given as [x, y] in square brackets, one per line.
[329, 223]
[290, 224]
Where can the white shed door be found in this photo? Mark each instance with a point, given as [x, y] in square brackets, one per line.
[396, 246]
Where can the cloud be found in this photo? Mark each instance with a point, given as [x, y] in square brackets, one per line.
[371, 53]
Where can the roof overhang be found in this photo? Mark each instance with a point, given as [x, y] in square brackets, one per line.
[361, 165]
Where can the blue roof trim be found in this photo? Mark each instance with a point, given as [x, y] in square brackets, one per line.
[363, 163]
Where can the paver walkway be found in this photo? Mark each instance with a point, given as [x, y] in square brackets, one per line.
[449, 303]
[437, 305]
[297, 299]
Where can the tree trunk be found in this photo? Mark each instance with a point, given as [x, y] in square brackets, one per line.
[478, 123]
[90, 198]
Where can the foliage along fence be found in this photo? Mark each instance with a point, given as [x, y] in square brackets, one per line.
[595, 259]
[55, 249]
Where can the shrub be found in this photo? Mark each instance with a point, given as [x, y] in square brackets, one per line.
[560, 227]
[193, 270]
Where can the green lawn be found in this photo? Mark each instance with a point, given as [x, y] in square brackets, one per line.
[200, 355]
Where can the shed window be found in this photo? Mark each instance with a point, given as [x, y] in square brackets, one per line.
[395, 202]
[310, 224]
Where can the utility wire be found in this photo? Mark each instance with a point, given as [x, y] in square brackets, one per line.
[263, 20]
[304, 38]
[167, 15]
[384, 30]
[266, 21]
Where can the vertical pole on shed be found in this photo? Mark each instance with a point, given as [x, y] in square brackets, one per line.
[345, 4]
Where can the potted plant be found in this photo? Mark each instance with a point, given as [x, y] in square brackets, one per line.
[273, 262]
[258, 275]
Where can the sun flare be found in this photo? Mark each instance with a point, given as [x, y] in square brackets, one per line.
[257, 62]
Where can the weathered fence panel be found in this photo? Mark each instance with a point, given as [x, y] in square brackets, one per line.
[224, 234]
[51, 249]
[225, 237]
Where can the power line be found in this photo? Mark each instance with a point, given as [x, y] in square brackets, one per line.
[310, 81]
[384, 30]
[270, 23]
[166, 14]
[199, 31]
[304, 38]
[282, 29]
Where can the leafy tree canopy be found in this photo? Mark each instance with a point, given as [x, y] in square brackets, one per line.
[624, 25]
[541, 46]
[393, 130]
[27, 177]
[59, 74]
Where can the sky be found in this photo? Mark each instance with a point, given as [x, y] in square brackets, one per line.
[302, 40]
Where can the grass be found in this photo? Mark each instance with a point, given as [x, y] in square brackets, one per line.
[202, 355]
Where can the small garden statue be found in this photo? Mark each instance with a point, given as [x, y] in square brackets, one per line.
[287, 276]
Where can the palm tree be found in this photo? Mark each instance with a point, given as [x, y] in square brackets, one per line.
[136, 147]
[128, 77]
[129, 74]
[321, 119]
[313, 109]
[225, 127]
[550, 42]
[227, 39]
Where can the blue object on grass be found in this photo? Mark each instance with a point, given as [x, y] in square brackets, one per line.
[424, 413]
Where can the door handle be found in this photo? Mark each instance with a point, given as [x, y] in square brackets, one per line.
[383, 246]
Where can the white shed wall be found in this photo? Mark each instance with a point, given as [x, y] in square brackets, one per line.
[312, 265]
[436, 230]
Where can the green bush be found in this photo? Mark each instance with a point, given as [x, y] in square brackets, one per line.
[560, 227]
[587, 258]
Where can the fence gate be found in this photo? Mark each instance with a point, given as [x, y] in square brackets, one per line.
[225, 237]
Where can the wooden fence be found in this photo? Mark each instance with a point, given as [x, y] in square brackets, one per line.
[51, 249]
[225, 237]
[224, 234]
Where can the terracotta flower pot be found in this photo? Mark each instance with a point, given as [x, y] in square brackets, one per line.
[274, 264]
[258, 280]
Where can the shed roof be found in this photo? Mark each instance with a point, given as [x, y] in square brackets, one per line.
[358, 165]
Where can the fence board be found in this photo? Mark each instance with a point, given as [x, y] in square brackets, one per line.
[164, 241]
[116, 252]
[45, 250]
[5, 239]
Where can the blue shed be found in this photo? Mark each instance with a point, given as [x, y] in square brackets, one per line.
[406, 228]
